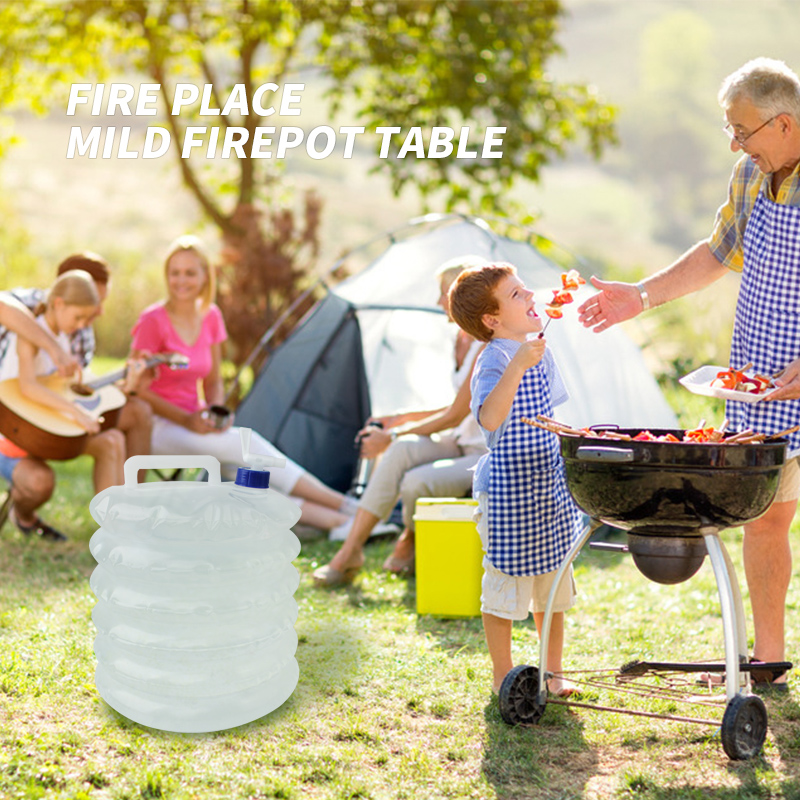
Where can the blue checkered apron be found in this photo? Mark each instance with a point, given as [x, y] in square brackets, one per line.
[766, 328]
[532, 517]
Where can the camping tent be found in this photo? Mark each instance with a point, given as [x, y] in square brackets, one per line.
[377, 343]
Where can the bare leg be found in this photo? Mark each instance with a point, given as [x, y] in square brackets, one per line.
[136, 422]
[108, 451]
[768, 569]
[310, 488]
[498, 639]
[322, 517]
[32, 487]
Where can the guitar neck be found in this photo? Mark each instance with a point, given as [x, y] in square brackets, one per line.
[113, 377]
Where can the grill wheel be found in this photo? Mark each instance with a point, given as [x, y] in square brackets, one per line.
[744, 727]
[517, 696]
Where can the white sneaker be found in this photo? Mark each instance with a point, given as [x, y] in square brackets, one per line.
[385, 529]
[341, 532]
[349, 506]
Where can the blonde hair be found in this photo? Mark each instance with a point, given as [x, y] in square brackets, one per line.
[75, 288]
[194, 245]
[453, 267]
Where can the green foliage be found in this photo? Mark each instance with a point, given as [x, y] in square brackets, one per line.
[402, 63]
[17, 266]
[450, 64]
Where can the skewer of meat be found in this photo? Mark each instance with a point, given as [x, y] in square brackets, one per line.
[737, 436]
[781, 434]
[719, 433]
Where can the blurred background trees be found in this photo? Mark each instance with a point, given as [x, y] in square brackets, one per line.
[627, 214]
[403, 63]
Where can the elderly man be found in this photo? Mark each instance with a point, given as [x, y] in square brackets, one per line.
[757, 232]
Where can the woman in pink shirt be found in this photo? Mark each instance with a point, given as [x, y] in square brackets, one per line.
[188, 322]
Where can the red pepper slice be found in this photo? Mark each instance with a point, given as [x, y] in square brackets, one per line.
[729, 378]
[572, 279]
[698, 435]
[561, 297]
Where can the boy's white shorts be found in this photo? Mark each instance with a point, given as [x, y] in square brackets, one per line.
[512, 596]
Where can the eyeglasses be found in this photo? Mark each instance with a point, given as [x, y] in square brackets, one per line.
[740, 140]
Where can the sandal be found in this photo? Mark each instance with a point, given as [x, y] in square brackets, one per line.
[328, 577]
[402, 561]
[763, 681]
[400, 566]
[770, 687]
[38, 528]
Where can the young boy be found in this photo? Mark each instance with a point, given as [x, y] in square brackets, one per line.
[526, 517]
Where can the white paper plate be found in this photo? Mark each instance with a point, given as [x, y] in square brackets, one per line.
[699, 382]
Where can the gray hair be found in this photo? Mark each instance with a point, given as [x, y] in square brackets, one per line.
[768, 84]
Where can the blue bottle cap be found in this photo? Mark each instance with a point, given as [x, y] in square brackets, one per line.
[254, 478]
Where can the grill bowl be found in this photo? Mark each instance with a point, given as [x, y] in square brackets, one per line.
[671, 488]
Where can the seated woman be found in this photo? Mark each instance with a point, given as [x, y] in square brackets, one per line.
[416, 465]
[71, 304]
[188, 322]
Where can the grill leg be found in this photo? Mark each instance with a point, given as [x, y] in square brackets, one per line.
[732, 607]
[544, 639]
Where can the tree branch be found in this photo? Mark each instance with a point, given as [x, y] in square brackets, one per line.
[247, 165]
[210, 76]
[222, 220]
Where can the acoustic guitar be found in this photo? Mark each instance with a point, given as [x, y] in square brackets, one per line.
[44, 432]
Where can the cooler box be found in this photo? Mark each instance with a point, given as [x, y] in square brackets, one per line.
[448, 557]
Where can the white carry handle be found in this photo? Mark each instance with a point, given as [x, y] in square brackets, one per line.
[257, 461]
[135, 463]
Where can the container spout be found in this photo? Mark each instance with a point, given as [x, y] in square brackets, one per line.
[255, 474]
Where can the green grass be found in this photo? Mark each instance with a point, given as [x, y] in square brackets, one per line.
[389, 704]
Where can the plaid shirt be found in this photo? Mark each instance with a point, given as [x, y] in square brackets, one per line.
[747, 180]
[82, 342]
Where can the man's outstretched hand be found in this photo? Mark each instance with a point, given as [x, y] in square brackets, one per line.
[613, 303]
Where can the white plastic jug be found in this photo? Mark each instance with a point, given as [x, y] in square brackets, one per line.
[196, 611]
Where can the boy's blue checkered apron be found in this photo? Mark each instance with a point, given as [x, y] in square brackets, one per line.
[766, 329]
[532, 517]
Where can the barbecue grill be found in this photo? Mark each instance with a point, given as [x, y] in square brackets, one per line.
[673, 499]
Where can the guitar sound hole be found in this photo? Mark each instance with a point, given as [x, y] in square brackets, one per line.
[81, 389]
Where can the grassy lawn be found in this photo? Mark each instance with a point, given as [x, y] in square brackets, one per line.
[389, 704]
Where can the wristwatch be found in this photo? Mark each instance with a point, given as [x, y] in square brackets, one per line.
[643, 294]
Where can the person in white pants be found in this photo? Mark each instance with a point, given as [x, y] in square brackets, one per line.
[419, 464]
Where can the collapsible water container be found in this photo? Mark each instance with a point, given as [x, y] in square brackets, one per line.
[195, 587]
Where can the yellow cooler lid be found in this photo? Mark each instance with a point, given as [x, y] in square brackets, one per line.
[459, 509]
